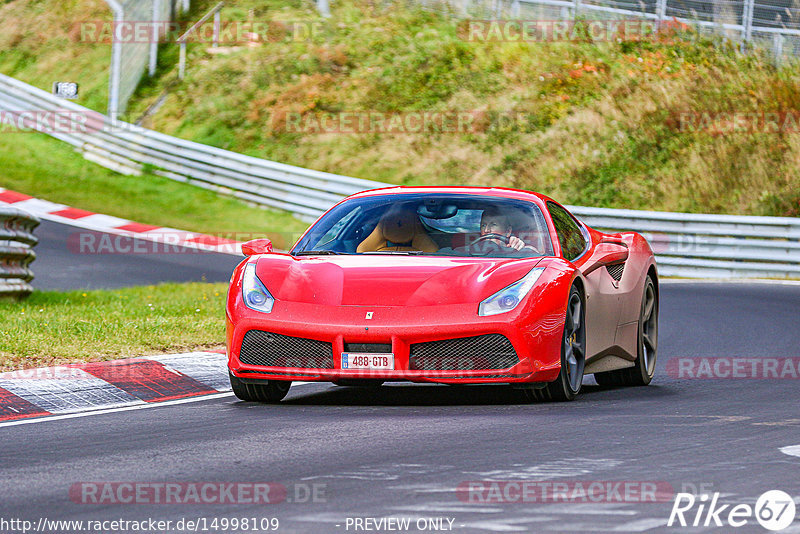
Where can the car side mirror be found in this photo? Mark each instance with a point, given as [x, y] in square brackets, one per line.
[257, 246]
[606, 254]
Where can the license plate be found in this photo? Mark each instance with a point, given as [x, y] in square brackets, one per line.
[367, 360]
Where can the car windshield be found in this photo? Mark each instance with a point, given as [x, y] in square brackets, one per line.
[430, 224]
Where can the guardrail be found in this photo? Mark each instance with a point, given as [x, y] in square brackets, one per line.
[717, 246]
[16, 251]
[689, 245]
[127, 148]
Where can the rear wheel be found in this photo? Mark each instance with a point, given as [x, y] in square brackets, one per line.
[269, 391]
[645, 364]
[573, 353]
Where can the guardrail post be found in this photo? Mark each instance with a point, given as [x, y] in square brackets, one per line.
[16, 252]
[323, 8]
[576, 9]
[516, 8]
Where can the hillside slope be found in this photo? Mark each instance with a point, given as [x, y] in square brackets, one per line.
[591, 123]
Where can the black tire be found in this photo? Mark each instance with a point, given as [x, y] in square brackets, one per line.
[645, 364]
[269, 391]
[573, 356]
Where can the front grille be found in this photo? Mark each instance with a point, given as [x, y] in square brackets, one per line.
[277, 350]
[616, 271]
[277, 373]
[490, 351]
[383, 348]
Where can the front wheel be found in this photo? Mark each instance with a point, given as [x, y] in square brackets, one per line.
[573, 353]
[645, 364]
[269, 391]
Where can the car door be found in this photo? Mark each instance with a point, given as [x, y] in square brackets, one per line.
[602, 295]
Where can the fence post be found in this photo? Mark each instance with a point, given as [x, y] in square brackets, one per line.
[515, 9]
[661, 12]
[777, 48]
[183, 38]
[576, 9]
[323, 8]
[747, 23]
[155, 34]
[116, 61]
[182, 61]
[217, 21]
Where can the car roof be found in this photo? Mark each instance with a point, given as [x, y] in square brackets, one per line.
[500, 192]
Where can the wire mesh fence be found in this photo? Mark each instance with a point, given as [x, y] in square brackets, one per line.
[772, 24]
[130, 58]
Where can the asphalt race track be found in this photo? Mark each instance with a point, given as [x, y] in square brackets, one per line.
[62, 264]
[400, 451]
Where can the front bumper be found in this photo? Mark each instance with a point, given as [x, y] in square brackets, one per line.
[536, 338]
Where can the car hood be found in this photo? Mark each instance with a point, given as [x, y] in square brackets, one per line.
[371, 280]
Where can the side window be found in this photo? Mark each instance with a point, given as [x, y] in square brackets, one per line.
[570, 235]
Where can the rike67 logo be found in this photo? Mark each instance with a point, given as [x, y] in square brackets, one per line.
[774, 510]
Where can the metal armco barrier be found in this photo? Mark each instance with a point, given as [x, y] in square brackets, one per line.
[697, 245]
[688, 245]
[126, 148]
[16, 251]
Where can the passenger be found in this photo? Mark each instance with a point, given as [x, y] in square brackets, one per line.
[398, 230]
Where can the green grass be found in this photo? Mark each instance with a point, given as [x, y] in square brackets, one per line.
[46, 168]
[39, 44]
[51, 328]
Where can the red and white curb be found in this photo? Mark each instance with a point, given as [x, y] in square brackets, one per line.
[88, 220]
[72, 388]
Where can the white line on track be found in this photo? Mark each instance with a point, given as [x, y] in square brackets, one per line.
[128, 408]
[792, 450]
[114, 410]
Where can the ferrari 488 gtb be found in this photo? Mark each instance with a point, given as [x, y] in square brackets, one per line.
[455, 285]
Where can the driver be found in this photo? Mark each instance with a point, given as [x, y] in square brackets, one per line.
[494, 222]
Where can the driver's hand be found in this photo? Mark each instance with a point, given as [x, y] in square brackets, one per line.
[515, 243]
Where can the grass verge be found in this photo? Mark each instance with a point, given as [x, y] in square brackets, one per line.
[53, 328]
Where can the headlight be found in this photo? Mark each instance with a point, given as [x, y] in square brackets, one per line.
[507, 298]
[254, 294]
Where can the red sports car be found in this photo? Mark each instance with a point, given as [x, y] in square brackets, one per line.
[455, 285]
